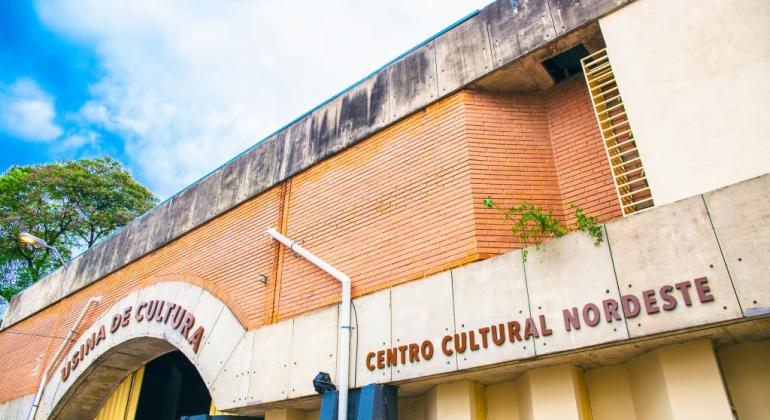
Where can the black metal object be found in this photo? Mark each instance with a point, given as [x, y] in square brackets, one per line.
[323, 383]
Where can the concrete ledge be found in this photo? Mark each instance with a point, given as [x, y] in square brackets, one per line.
[501, 33]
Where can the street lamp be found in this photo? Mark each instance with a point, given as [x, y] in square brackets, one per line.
[37, 243]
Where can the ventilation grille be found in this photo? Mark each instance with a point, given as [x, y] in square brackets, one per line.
[626, 164]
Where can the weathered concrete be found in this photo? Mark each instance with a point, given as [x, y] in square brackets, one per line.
[490, 293]
[424, 310]
[668, 245]
[566, 275]
[16, 409]
[313, 349]
[372, 322]
[741, 218]
[498, 35]
[132, 346]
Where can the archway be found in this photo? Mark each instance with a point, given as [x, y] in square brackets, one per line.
[146, 324]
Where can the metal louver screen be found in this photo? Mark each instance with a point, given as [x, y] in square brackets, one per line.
[626, 164]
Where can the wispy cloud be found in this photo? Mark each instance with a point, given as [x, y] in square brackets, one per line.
[186, 86]
[28, 112]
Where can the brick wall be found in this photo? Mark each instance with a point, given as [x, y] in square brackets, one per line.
[581, 162]
[401, 205]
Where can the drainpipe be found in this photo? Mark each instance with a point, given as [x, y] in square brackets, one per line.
[47, 371]
[344, 324]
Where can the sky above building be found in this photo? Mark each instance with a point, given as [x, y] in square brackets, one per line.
[173, 89]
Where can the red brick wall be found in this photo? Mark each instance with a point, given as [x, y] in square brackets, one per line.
[581, 162]
[512, 161]
[403, 204]
[392, 208]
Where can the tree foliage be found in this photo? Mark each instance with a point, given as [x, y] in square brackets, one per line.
[71, 205]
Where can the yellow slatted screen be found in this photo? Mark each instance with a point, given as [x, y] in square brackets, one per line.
[626, 164]
[121, 405]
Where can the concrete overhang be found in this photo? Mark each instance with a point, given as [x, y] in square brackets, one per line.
[497, 48]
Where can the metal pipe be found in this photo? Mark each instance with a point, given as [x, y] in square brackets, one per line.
[47, 371]
[343, 362]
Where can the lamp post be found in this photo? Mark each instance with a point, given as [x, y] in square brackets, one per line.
[37, 243]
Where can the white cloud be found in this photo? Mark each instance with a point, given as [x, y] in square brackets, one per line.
[27, 112]
[188, 85]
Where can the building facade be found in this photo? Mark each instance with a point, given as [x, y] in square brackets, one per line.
[648, 115]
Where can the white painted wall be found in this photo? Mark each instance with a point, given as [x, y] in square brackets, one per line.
[695, 78]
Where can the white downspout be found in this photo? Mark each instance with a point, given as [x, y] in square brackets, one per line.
[343, 366]
[47, 371]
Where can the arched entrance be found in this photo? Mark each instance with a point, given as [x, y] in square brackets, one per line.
[167, 388]
[172, 317]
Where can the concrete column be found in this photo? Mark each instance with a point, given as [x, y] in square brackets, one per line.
[679, 382]
[502, 402]
[553, 393]
[747, 374]
[609, 392]
[285, 414]
[456, 401]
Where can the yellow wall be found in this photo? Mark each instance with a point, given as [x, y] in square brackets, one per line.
[746, 369]
[502, 402]
[610, 393]
[122, 403]
[675, 382]
[456, 401]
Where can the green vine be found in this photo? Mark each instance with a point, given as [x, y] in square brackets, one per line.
[531, 224]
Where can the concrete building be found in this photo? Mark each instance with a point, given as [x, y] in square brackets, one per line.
[650, 115]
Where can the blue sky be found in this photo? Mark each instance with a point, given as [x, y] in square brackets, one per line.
[173, 89]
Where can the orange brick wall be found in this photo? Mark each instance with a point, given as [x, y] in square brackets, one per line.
[387, 210]
[401, 205]
[512, 161]
[230, 251]
[581, 162]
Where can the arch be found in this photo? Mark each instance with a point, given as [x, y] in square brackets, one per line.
[133, 332]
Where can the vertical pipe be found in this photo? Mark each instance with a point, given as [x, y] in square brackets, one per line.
[343, 352]
[47, 371]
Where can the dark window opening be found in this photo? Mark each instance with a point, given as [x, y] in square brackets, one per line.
[565, 64]
[171, 389]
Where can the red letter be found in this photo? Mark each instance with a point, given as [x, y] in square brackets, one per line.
[498, 334]
[665, 294]
[587, 310]
[369, 358]
[460, 348]
[513, 331]
[381, 359]
[683, 288]
[126, 316]
[631, 306]
[195, 340]
[472, 341]
[611, 310]
[484, 333]
[445, 345]
[530, 329]
[571, 319]
[426, 350]
[391, 355]
[189, 321]
[703, 289]
[116, 320]
[414, 353]
[139, 316]
[650, 303]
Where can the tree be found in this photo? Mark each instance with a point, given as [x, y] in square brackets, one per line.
[71, 205]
